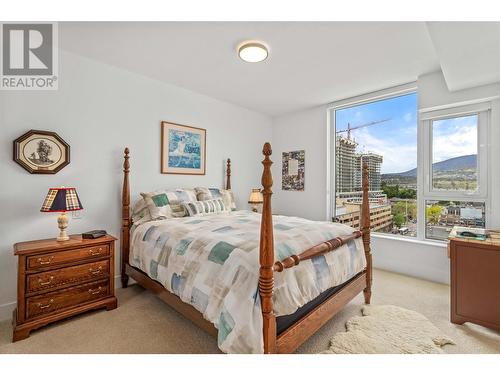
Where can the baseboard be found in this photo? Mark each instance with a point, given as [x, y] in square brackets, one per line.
[7, 308]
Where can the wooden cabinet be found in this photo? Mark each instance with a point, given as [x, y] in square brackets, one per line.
[475, 282]
[60, 279]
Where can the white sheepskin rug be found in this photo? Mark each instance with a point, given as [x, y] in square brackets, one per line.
[388, 330]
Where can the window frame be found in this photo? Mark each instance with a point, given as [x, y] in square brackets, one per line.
[389, 93]
[425, 150]
[482, 158]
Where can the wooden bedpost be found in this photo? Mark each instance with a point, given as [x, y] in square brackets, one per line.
[365, 228]
[266, 256]
[228, 175]
[125, 240]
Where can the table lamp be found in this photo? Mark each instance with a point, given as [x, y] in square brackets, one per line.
[255, 199]
[62, 199]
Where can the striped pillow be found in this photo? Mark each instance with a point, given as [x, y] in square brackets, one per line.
[165, 204]
[203, 194]
[207, 207]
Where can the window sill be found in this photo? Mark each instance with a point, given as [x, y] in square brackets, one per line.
[435, 243]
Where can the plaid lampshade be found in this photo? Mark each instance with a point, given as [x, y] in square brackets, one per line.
[61, 199]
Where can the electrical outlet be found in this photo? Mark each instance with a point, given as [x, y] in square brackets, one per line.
[76, 214]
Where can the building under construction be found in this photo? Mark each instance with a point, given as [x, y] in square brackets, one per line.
[349, 170]
[374, 161]
[349, 167]
[345, 164]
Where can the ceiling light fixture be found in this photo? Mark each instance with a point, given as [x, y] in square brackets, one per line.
[253, 51]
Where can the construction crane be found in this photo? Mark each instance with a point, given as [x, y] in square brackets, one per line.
[349, 127]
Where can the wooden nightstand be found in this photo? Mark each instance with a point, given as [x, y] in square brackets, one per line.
[475, 280]
[60, 279]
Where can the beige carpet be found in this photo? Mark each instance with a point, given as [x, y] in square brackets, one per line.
[144, 324]
[388, 329]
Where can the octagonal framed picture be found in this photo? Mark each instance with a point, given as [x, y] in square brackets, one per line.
[41, 152]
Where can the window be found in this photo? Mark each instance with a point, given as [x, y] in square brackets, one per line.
[384, 134]
[428, 171]
[455, 170]
[454, 154]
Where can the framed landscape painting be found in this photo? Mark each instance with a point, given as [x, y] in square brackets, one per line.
[182, 149]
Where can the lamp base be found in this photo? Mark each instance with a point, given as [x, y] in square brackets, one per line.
[62, 222]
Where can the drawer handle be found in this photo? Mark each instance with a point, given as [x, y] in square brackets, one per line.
[41, 307]
[95, 271]
[47, 261]
[95, 252]
[41, 282]
[96, 291]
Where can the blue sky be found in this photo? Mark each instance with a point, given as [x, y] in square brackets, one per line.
[454, 137]
[395, 140]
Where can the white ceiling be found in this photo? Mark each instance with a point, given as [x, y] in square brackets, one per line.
[309, 64]
[469, 52]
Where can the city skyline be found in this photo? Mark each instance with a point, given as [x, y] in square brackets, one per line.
[396, 139]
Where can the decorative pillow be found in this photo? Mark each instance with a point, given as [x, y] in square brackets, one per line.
[140, 211]
[200, 208]
[166, 204]
[203, 194]
[186, 195]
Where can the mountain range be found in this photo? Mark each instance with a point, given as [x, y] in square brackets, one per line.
[453, 164]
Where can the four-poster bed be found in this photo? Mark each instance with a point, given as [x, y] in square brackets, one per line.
[278, 336]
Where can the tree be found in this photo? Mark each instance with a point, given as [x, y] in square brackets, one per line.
[433, 213]
[405, 208]
[390, 190]
[407, 194]
[399, 220]
[44, 150]
[393, 191]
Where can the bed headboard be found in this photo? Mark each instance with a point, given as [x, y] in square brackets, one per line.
[126, 221]
[228, 174]
[126, 217]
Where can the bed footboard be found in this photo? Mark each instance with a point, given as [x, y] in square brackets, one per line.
[291, 339]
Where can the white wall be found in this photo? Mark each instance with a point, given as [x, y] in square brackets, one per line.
[305, 130]
[308, 130]
[434, 94]
[99, 110]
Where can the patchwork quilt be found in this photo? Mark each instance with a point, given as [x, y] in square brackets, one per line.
[212, 263]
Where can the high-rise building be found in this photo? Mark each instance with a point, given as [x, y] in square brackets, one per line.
[349, 167]
[349, 171]
[345, 164]
[374, 162]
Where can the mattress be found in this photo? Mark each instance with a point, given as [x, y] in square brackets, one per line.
[286, 321]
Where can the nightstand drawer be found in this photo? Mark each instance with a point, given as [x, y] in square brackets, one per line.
[65, 298]
[65, 276]
[68, 256]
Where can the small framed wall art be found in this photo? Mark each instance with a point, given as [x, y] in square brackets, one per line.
[183, 149]
[41, 152]
[293, 170]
